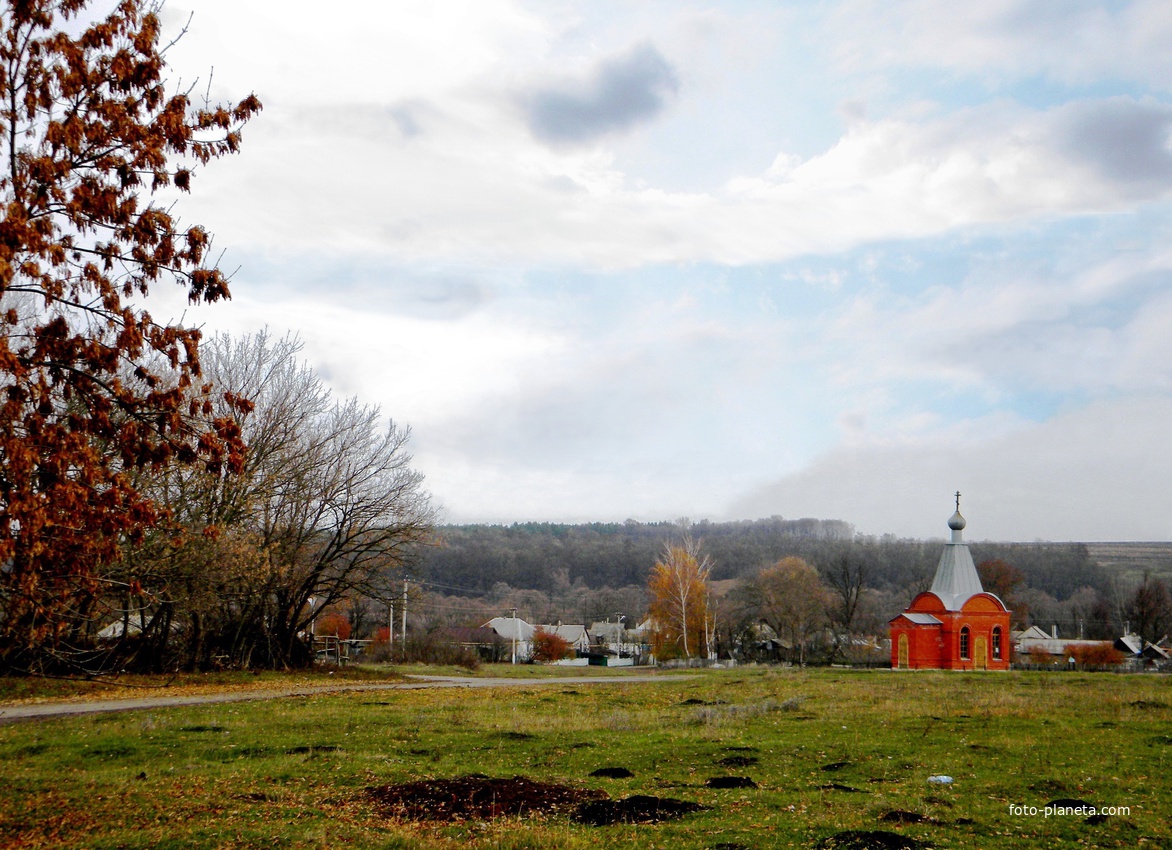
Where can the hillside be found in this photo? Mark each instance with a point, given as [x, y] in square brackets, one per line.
[1129, 561]
[475, 559]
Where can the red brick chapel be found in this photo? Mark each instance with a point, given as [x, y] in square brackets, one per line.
[955, 625]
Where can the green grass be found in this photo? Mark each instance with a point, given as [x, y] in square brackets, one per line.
[291, 773]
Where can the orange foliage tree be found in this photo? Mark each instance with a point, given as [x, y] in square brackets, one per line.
[680, 610]
[91, 387]
[1102, 654]
[549, 646]
[332, 624]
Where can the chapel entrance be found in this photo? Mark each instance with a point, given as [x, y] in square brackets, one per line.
[981, 653]
[902, 664]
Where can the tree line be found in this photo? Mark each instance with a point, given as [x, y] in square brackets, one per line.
[538, 556]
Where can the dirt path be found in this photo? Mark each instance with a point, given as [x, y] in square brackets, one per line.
[36, 711]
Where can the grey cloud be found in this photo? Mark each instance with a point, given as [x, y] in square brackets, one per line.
[1099, 473]
[621, 92]
[1124, 140]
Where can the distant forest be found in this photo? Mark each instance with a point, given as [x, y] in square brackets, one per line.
[480, 559]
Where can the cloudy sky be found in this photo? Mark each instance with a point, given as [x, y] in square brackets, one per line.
[723, 260]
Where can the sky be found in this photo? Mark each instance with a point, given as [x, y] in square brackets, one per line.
[720, 260]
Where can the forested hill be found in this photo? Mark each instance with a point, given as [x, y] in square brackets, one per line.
[545, 556]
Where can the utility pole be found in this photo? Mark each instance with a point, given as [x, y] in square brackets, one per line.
[514, 635]
[403, 630]
[391, 626]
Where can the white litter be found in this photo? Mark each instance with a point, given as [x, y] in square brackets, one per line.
[940, 780]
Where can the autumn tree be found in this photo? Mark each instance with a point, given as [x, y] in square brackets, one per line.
[550, 646]
[1003, 580]
[88, 137]
[792, 600]
[683, 622]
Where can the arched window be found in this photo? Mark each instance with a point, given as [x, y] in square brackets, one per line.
[997, 642]
[964, 643]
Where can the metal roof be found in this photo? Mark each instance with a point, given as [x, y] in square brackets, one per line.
[921, 619]
[956, 575]
[510, 628]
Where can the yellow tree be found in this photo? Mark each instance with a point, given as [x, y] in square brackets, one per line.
[793, 601]
[683, 621]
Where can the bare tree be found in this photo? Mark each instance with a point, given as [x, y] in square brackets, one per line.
[1149, 609]
[325, 506]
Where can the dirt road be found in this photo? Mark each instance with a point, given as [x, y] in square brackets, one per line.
[40, 711]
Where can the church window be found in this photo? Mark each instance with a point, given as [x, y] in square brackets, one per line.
[997, 642]
[964, 643]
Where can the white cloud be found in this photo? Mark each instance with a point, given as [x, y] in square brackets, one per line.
[1072, 41]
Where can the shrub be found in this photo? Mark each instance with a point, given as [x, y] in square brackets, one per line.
[1039, 655]
[1096, 655]
[548, 647]
[436, 647]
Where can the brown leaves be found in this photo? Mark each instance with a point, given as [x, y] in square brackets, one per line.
[92, 386]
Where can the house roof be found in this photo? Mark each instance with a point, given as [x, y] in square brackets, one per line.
[480, 635]
[1130, 643]
[511, 628]
[921, 619]
[607, 630]
[571, 634]
[1032, 633]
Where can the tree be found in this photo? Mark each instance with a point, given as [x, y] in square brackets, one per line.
[1096, 655]
[792, 600]
[1002, 579]
[1149, 609]
[325, 509]
[550, 646]
[88, 136]
[847, 575]
[679, 596]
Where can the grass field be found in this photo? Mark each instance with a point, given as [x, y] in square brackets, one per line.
[293, 772]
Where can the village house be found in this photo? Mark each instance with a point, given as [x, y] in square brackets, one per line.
[576, 636]
[517, 633]
[955, 625]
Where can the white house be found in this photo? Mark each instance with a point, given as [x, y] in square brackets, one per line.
[517, 632]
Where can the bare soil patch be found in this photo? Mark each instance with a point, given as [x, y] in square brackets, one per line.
[738, 761]
[637, 808]
[731, 782]
[475, 797]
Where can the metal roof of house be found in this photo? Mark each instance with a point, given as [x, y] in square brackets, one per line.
[510, 628]
[922, 619]
[956, 575]
[572, 634]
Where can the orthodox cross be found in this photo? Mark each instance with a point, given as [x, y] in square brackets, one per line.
[958, 501]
